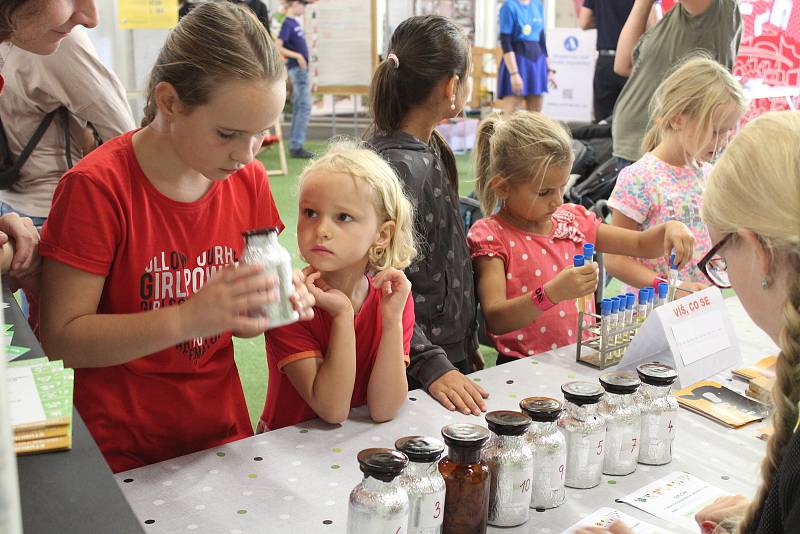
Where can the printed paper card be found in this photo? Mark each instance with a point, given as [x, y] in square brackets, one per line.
[605, 517]
[694, 334]
[676, 498]
[13, 352]
[763, 367]
[715, 401]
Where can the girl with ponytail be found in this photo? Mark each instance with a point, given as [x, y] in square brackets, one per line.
[752, 208]
[422, 81]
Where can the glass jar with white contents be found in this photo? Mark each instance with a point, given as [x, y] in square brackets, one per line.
[585, 432]
[623, 422]
[659, 413]
[423, 483]
[378, 504]
[549, 449]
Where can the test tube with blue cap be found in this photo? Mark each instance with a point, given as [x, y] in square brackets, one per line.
[663, 291]
[588, 252]
[641, 308]
[673, 277]
[630, 313]
[615, 322]
[651, 299]
[578, 261]
[605, 319]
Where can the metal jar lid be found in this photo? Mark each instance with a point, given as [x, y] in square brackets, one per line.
[420, 449]
[541, 409]
[259, 231]
[508, 423]
[657, 374]
[581, 393]
[383, 464]
[465, 436]
[620, 382]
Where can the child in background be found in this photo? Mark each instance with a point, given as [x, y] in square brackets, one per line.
[292, 44]
[523, 253]
[695, 110]
[423, 81]
[355, 229]
[140, 293]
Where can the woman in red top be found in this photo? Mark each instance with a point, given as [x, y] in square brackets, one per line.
[140, 292]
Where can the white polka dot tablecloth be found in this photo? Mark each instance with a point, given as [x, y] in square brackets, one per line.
[298, 479]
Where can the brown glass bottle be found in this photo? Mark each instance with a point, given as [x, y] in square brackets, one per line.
[466, 478]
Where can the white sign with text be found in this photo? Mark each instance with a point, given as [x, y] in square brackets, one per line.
[693, 333]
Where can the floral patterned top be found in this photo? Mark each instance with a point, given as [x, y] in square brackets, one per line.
[531, 260]
[652, 192]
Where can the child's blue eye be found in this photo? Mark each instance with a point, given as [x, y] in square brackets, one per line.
[225, 135]
[345, 217]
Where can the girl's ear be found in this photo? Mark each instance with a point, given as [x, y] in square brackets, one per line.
[167, 100]
[678, 123]
[384, 235]
[499, 186]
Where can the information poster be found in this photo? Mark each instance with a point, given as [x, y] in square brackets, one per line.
[147, 14]
[572, 55]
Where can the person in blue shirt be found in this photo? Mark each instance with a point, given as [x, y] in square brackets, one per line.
[524, 74]
[292, 44]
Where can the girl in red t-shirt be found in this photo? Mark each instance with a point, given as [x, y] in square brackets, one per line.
[354, 221]
[523, 252]
[140, 293]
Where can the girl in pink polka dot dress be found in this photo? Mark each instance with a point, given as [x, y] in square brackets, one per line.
[523, 253]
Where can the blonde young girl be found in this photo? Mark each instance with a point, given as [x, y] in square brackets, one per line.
[694, 112]
[752, 209]
[521, 253]
[355, 230]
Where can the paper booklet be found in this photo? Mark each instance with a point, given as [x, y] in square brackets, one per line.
[715, 401]
[764, 367]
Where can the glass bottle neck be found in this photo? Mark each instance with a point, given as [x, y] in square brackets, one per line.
[542, 427]
[655, 392]
[422, 469]
[581, 412]
[614, 399]
[463, 455]
[261, 240]
[373, 484]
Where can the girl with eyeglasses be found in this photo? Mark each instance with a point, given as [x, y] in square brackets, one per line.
[756, 231]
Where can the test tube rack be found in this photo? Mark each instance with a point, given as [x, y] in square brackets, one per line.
[598, 350]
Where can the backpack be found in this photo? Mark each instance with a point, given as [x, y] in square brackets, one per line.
[10, 168]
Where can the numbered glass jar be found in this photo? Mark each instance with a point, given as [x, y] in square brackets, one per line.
[511, 463]
[379, 504]
[659, 413]
[261, 247]
[466, 479]
[549, 449]
[623, 422]
[585, 433]
[423, 483]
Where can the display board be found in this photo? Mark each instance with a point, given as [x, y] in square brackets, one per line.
[572, 55]
[147, 14]
[344, 45]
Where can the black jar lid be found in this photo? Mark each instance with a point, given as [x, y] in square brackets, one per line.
[465, 436]
[420, 449]
[259, 231]
[383, 464]
[508, 423]
[657, 374]
[620, 382]
[541, 409]
[581, 393]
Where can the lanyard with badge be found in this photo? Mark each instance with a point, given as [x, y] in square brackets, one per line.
[527, 28]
